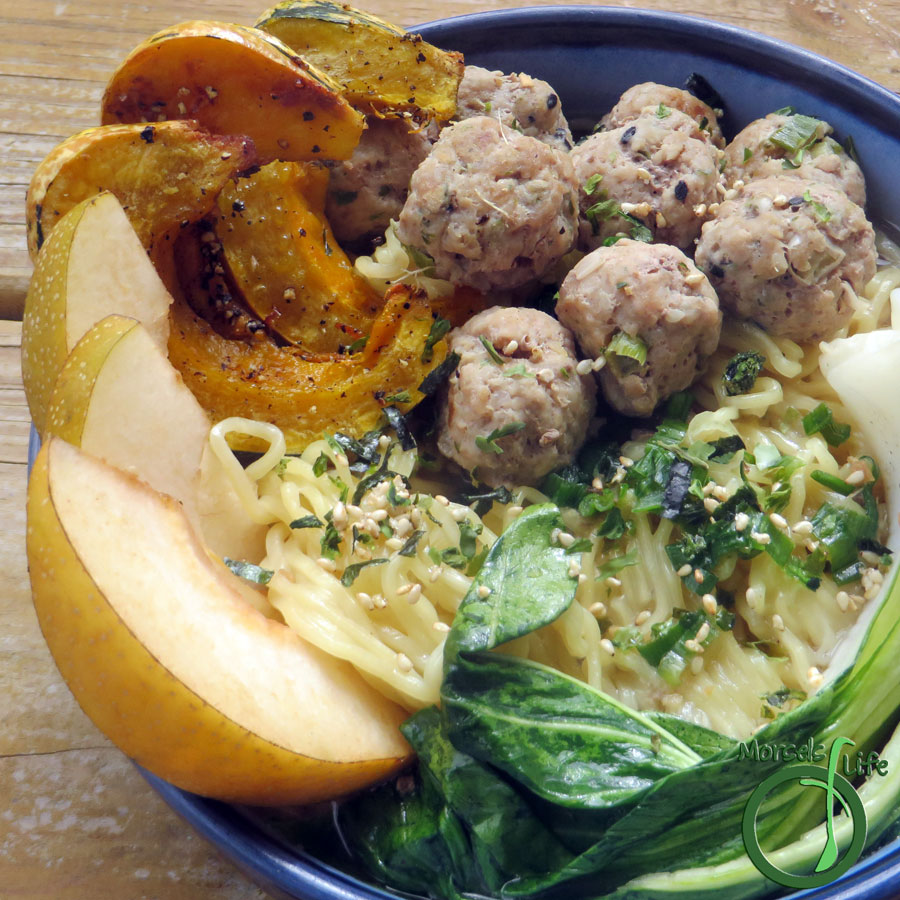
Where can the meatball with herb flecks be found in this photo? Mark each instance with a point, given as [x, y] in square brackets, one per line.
[519, 101]
[789, 144]
[368, 190]
[790, 255]
[661, 96]
[515, 408]
[650, 179]
[650, 311]
[493, 208]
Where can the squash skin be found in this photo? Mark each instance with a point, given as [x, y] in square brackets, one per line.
[306, 397]
[235, 80]
[353, 47]
[284, 260]
[164, 175]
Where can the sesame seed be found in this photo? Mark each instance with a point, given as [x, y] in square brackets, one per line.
[545, 376]
[597, 484]
[339, 516]
[619, 477]
[566, 539]
[414, 594]
[607, 646]
[442, 500]
[708, 488]
[697, 665]
[713, 208]
[379, 601]
[843, 600]
[405, 588]
[720, 492]
[753, 597]
[582, 578]
[693, 645]
[484, 591]
[626, 461]
[289, 294]
[434, 573]
[778, 520]
[700, 209]
[327, 564]
[812, 546]
[684, 571]
[511, 348]
[702, 633]
[856, 477]
[441, 626]
[644, 175]
[384, 442]
[574, 568]
[394, 543]
[403, 526]
[730, 194]
[515, 510]
[597, 609]
[404, 662]
[698, 576]
[598, 363]
[661, 220]
[642, 617]
[803, 527]
[694, 279]
[584, 366]
[761, 537]
[554, 535]
[612, 581]
[815, 677]
[777, 622]
[710, 504]
[365, 600]
[738, 184]
[780, 201]
[378, 515]
[709, 604]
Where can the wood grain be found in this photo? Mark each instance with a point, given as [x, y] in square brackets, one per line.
[76, 820]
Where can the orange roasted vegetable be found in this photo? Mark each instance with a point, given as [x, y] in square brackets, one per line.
[284, 260]
[306, 397]
[235, 80]
[164, 175]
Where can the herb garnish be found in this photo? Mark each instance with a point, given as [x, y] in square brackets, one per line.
[741, 372]
[489, 444]
[249, 571]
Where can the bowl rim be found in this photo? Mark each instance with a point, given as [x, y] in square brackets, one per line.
[271, 862]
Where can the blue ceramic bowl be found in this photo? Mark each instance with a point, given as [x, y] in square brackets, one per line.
[590, 55]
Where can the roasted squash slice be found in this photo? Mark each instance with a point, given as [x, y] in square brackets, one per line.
[284, 260]
[383, 69]
[235, 80]
[307, 397]
[164, 175]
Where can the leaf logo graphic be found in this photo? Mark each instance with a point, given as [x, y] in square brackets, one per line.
[837, 790]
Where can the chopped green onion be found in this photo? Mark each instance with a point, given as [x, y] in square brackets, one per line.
[249, 571]
[832, 482]
[821, 420]
[592, 183]
[629, 347]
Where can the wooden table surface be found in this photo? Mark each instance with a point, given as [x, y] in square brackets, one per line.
[76, 820]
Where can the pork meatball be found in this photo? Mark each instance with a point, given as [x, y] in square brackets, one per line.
[789, 254]
[518, 101]
[369, 189]
[514, 409]
[650, 94]
[654, 295]
[762, 149]
[493, 208]
[656, 172]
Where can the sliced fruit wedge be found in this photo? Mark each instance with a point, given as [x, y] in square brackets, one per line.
[170, 661]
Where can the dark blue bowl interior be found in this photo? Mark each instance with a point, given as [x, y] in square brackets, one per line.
[590, 55]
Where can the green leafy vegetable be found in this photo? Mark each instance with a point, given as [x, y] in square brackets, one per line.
[626, 352]
[249, 571]
[439, 374]
[742, 371]
[351, 573]
[308, 522]
[439, 329]
[592, 184]
[491, 351]
[489, 444]
[821, 420]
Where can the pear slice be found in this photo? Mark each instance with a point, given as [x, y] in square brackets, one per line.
[92, 265]
[174, 665]
[119, 398]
